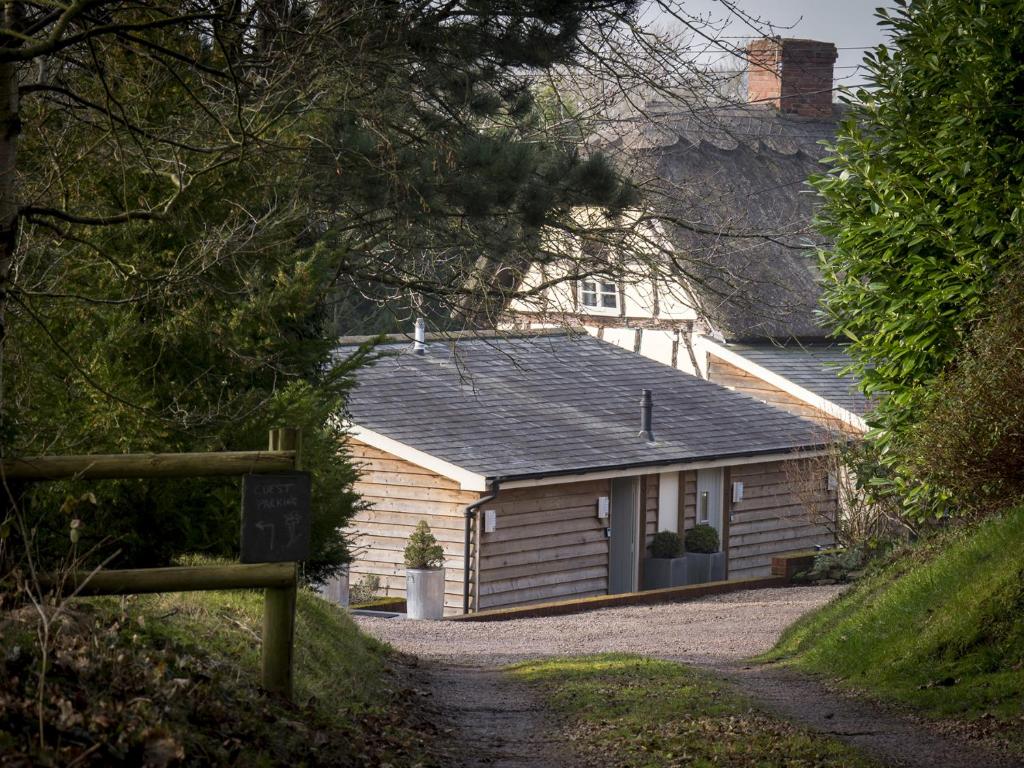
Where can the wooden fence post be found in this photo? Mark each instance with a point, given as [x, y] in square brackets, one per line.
[279, 602]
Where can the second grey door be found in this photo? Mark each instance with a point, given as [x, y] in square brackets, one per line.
[625, 525]
[709, 501]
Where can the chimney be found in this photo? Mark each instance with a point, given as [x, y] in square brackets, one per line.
[646, 433]
[794, 76]
[419, 344]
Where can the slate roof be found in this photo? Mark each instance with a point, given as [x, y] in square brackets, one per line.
[521, 407]
[815, 367]
[741, 170]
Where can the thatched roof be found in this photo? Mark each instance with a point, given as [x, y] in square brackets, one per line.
[735, 180]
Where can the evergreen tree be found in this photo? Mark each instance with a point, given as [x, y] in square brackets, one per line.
[923, 202]
[193, 186]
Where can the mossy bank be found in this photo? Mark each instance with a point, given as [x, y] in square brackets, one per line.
[939, 627]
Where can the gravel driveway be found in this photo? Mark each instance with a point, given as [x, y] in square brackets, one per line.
[501, 724]
[712, 629]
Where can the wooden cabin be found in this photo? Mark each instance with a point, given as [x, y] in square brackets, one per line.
[531, 449]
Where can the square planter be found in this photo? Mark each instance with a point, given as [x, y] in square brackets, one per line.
[336, 590]
[661, 572]
[424, 593]
[702, 567]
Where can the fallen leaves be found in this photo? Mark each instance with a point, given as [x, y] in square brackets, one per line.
[119, 696]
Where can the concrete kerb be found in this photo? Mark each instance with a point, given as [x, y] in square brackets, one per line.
[783, 569]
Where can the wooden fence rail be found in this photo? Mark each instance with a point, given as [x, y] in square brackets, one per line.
[147, 465]
[278, 580]
[142, 581]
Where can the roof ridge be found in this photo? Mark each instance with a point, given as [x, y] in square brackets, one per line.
[394, 338]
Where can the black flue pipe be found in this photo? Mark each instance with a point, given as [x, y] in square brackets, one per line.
[646, 406]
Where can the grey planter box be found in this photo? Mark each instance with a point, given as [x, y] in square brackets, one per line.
[701, 567]
[424, 593]
[661, 572]
[336, 590]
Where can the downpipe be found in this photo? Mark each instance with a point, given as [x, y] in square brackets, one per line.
[470, 514]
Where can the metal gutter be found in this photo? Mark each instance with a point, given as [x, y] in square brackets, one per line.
[795, 452]
[471, 509]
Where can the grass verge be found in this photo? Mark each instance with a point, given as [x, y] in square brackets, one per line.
[169, 680]
[632, 711]
[940, 628]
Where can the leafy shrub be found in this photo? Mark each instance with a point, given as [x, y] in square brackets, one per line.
[850, 511]
[365, 590]
[667, 544]
[969, 442]
[702, 538]
[836, 564]
[922, 205]
[423, 551]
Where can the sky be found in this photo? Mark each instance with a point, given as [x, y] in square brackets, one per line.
[850, 24]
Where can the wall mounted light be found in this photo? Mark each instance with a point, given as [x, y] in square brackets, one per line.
[737, 491]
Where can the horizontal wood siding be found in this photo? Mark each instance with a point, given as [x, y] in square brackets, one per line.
[770, 520]
[548, 544]
[688, 493]
[730, 376]
[398, 495]
[652, 486]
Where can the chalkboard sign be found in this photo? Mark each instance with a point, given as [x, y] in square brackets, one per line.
[275, 517]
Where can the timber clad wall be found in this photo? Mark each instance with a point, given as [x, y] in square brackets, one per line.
[688, 494]
[548, 544]
[398, 495]
[650, 509]
[730, 376]
[770, 520]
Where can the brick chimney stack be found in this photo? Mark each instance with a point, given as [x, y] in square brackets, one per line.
[794, 76]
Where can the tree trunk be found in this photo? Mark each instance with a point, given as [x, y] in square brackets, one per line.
[10, 128]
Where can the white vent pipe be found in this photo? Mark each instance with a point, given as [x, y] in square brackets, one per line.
[419, 345]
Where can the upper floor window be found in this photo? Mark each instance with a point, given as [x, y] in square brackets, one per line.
[599, 294]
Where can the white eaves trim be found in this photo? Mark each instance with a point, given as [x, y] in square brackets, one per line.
[469, 481]
[781, 382]
[651, 469]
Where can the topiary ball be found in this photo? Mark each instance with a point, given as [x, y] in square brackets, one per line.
[702, 538]
[666, 544]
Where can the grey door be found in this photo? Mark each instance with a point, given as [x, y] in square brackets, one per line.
[625, 530]
[709, 500]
